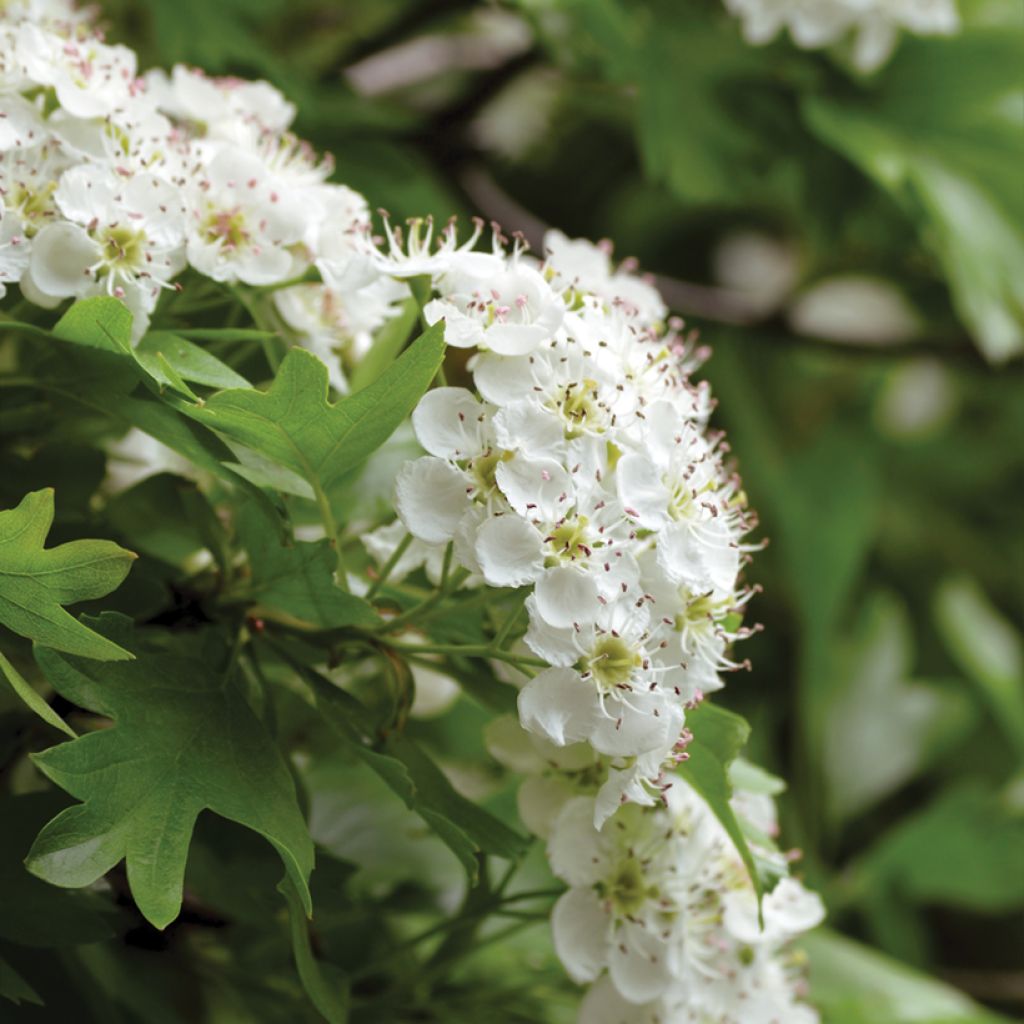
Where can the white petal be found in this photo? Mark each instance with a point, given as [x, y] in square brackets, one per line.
[535, 488]
[511, 745]
[431, 499]
[510, 551]
[555, 645]
[641, 490]
[61, 256]
[642, 722]
[559, 705]
[703, 556]
[576, 850]
[515, 339]
[460, 331]
[502, 380]
[639, 964]
[566, 596]
[529, 427]
[789, 910]
[580, 927]
[448, 423]
[540, 799]
[603, 1005]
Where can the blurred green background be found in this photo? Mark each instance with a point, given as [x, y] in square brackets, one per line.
[853, 251]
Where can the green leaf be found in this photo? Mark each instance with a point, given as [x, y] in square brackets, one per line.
[189, 361]
[15, 988]
[99, 322]
[32, 699]
[184, 741]
[855, 985]
[35, 913]
[294, 581]
[466, 828]
[718, 738]
[325, 985]
[35, 582]
[167, 517]
[866, 755]
[987, 648]
[390, 340]
[294, 424]
[951, 158]
[966, 849]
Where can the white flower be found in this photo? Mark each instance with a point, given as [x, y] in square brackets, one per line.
[90, 78]
[421, 254]
[578, 265]
[630, 884]
[14, 250]
[337, 324]
[229, 109]
[874, 23]
[120, 237]
[511, 312]
[610, 686]
[240, 225]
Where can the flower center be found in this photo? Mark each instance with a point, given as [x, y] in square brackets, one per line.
[612, 662]
[33, 204]
[626, 889]
[484, 468]
[569, 542]
[123, 248]
[226, 226]
[580, 408]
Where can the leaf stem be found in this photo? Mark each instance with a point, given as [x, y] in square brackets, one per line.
[469, 651]
[389, 566]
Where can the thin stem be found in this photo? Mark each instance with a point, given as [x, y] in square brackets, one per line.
[470, 651]
[455, 580]
[446, 566]
[389, 566]
[331, 528]
[506, 628]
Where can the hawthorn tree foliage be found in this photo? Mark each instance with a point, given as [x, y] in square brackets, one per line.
[366, 588]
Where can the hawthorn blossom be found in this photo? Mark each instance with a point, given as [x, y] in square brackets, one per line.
[240, 227]
[874, 24]
[120, 237]
[511, 313]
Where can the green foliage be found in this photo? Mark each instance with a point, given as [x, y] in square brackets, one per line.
[184, 741]
[294, 424]
[855, 985]
[35, 582]
[888, 686]
[718, 738]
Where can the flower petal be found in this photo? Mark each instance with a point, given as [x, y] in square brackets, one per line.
[510, 551]
[580, 927]
[448, 423]
[431, 499]
[567, 596]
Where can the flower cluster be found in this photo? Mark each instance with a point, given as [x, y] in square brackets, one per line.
[580, 471]
[661, 915]
[115, 183]
[874, 24]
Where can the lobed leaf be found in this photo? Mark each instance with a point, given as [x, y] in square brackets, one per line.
[184, 740]
[35, 582]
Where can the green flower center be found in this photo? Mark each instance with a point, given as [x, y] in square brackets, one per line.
[569, 542]
[612, 662]
[227, 226]
[580, 408]
[627, 890]
[123, 248]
